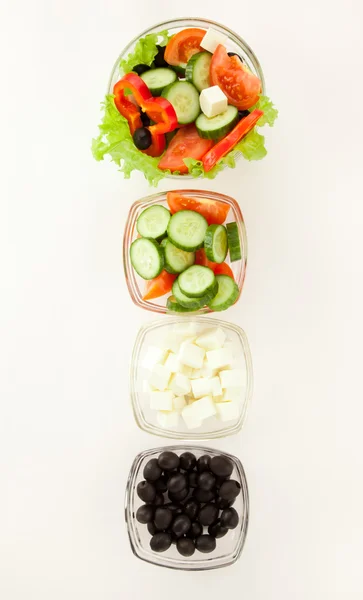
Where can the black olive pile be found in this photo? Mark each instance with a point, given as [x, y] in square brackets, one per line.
[188, 502]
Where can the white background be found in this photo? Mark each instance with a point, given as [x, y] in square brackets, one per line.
[67, 435]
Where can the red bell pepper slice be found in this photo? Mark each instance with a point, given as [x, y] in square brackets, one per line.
[226, 144]
[162, 112]
[128, 110]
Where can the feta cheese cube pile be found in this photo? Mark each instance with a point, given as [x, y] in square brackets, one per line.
[193, 376]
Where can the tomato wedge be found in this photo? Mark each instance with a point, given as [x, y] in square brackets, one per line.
[236, 81]
[185, 144]
[183, 46]
[213, 211]
[159, 286]
[223, 269]
[218, 269]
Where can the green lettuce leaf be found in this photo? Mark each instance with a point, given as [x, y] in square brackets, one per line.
[145, 51]
[270, 112]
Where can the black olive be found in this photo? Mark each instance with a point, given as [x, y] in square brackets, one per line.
[205, 543]
[145, 514]
[179, 496]
[187, 461]
[222, 504]
[142, 138]
[208, 514]
[145, 119]
[221, 466]
[163, 517]
[176, 509]
[152, 470]
[177, 483]
[185, 546]
[235, 54]
[203, 495]
[159, 500]
[195, 530]
[191, 508]
[243, 113]
[160, 542]
[146, 491]
[216, 530]
[140, 69]
[229, 490]
[193, 479]
[181, 525]
[160, 484]
[159, 60]
[206, 481]
[229, 518]
[203, 463]
[152, 529]
[168, 461]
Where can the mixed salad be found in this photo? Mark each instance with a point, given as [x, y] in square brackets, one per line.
[182, 250]
[183, 105]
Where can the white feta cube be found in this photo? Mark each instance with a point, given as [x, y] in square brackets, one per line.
[180, 384]
[206, 371]
[232, 395]
[213, 101]
[216, 388]
[191, 355]
[227, 411]
[212, 339]
[172, 341]
[167, 420]
[196, 374]
[234, 347]
[187, 329]
[212, 39]
[191, 420]
[178, 403]
[204, 408]
[201, 387]
[231, 378]
[219, 358]
[172, 362]
[146, 387]
[185, 370]
[160, 377]
[161, 400]
[154, 356]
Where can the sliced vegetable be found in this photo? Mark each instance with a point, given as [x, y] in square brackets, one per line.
[197, 71]
[197, 281]
[162, 112]
[214, 211]
[241, 87]
[172, 304]
[183, 45]
[160, 285]
[186, 144]
[227, 294]
[176, 260]
[186, 230]
[153, 222]
[234, 243]
[157, 79]
[193, 303]
[184, 98]
[218, 269]
[217, 127]
[215, 243]
[147, 258]
[223, 269]
[226, 144]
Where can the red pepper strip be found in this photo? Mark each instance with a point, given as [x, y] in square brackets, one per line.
[136, 85]
[226, 144]
[129, 111]
[157, 145]
[162, 112]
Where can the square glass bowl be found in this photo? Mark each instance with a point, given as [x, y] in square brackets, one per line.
[228, 549]
[152, 334]
[136, 284]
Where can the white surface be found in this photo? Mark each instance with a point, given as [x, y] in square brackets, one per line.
[67, 324]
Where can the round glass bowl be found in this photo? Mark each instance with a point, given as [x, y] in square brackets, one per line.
[136, 285]
[228, 549]
[234, 44]
[152, 335]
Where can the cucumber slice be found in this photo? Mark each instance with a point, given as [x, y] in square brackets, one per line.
[217, 127]
[197, 281]
[163, 242]
[172, 304]
[185, 99]
[193, 303]
[215, 243]
[186, 230]
[177, 260]
[227, 294]
[234, 243]
[158, 79]
[197, 71]
[147, 258]
[153, 222]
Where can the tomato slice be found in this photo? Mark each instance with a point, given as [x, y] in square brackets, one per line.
[185, 144]
[213, 211]
[236, 81]
[218, 269]
[159, 286]
[223, 269]
[183, 45]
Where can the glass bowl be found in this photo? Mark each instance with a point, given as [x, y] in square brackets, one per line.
[229, 548]
[136, 285]
[151, 335]
[234, 44]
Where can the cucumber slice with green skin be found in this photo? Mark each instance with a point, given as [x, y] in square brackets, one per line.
[197, 281]
[197, 71]
[147, 257]
[153, 222]
[172, 304]
[227, 294]
[193, 303]
[158, 79]
[217, 127]
[184, 97]
[234, 243]
[176, 260]
[215, 243]
[186, 230]
[163, 242]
